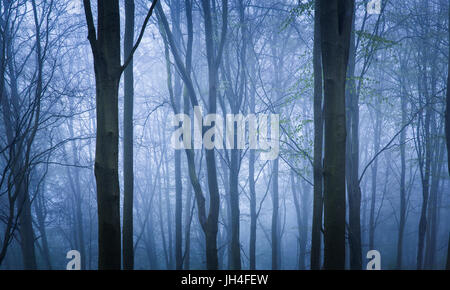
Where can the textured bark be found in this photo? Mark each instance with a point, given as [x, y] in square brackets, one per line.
[316, 235]
[335, 26]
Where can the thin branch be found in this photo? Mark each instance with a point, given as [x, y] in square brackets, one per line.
[141, 34]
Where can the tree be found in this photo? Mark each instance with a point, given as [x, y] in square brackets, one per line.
[128, 175]
[403, 201]
[352, 161]
[447, 128]
[335, 26]
[209, 223]
[316, 236]
[447, 107]
[105, 46]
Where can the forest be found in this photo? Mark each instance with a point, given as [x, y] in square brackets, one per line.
[224, 134]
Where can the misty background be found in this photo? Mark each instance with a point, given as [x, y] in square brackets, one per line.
[253, 57]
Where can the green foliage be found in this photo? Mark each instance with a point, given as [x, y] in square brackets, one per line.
[300, 9]
[368, 39]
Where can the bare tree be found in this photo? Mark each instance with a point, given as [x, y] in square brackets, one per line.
[105, 45]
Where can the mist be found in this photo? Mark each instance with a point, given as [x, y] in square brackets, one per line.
[215, 134]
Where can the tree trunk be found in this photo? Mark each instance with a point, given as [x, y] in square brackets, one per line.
[335, 25]
[39, 207]
[208, 223]
[75, 184]
[433, 225]
[302, 222]
[187, 233]
[316, 235]
[234, 205]
[175, 15]
[105, 46]
[447, 130]
[376, 148]
[252, 188]
[128, 175]
[354, 190]
[275, 204]
[402, 218]
[106, 50]
[214, 197]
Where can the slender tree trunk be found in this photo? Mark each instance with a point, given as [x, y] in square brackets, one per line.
[275, 205]
[433, 225]
[305, 207]
[335, 25]
[300, 224]
[75, 184]
[175, 15]
[168, 214]
[234, 206]
[376, 148]
[214, 197]
[425, 173]
[423, 137]
[447, 129]
[187, 233]
[316, 235]
[128, 175]
[402, 218]
[252, 188]
[354, 190]
[39, 208]
[209, 223]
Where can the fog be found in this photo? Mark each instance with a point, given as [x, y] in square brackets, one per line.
[340, 147]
